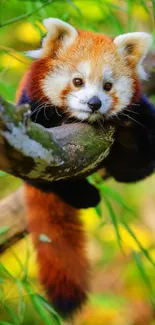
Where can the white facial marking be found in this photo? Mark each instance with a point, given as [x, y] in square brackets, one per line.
[78, 100]
[107, 74]
[84, 68]
[54, 83]
[123, 92]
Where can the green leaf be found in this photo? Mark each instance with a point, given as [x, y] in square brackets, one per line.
[144, 276]
[98, 210]
[145, 252]
[6, 323]
[114, 220]
[144, 5]
[97, 180]
[73, 5]
[114, 195]
[13, 316]
[153, 7]
[4, 230]
[21, 301]
[16, 258]
[2, 173]
[49, 308]
[4, 271]
[39, 307]
[142, 271]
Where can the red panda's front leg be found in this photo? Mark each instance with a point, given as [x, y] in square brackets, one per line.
[63, 266]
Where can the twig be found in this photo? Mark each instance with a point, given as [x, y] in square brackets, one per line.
[29, 14]
[13, 53]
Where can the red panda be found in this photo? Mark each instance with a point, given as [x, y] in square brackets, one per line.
[85, 76]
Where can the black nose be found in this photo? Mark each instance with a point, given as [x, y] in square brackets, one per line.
[94, 103]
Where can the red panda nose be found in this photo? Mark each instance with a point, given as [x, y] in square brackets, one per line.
[94, 103]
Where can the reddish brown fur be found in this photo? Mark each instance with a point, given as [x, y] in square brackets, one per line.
[137, 89]
[32, 80]
[115, 102]
[38, 71]
[22, 84]
[64, 93]
[63, 266]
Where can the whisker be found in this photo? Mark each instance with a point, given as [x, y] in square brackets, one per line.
[76, 119]
[129, 117]
[37, 115]
[134, 104]
[99, 121]
[116, 115]
[34, 111]
[45, 113]
[40, 106]
[73, 95]
[130, 111]
[57, 111]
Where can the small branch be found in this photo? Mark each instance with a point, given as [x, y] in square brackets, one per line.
[13, 53]
[29, 151]
[13, 216]
[27, 15]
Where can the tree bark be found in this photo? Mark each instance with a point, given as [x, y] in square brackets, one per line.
[30, 151]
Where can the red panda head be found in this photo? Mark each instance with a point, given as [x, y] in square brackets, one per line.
[86, 74]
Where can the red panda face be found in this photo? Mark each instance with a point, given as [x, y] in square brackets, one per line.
[91, 76]
[89, 91]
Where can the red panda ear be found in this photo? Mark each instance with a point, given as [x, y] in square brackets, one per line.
[58, 33]
[133, 47]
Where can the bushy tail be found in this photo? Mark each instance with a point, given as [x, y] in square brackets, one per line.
[64, 269]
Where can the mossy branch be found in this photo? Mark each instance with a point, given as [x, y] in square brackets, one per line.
[29, 151]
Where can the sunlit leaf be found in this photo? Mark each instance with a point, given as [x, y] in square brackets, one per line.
[4, 230]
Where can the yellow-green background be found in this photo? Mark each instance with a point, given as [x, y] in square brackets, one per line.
[123, 276]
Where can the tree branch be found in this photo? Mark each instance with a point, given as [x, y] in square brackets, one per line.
[13, 217]
[26, 15]
[30, 151]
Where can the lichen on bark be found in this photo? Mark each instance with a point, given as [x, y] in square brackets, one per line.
[30, 151]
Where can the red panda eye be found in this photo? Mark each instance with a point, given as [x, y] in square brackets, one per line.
[78, 82]
[107, 86]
